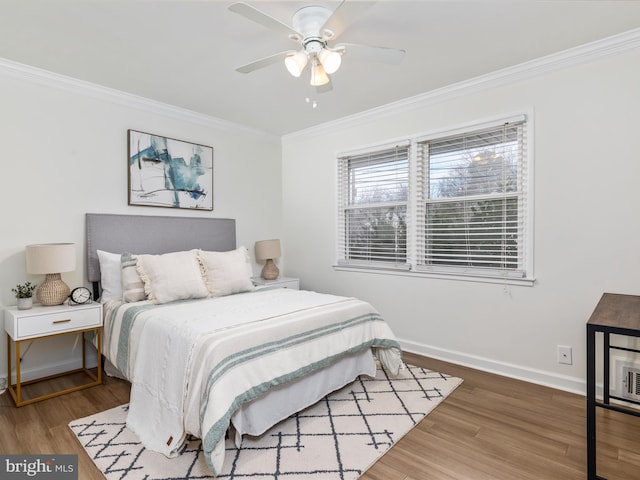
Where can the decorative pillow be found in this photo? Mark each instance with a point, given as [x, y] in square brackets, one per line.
[132, 284]
[172, 276]
[227, 272]
[110, 277]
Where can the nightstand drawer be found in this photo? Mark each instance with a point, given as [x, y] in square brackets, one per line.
[26, 325]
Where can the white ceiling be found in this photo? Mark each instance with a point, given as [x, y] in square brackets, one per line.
[184, 52]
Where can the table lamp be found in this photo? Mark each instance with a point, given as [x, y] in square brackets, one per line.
[267, 250]
[51, 259]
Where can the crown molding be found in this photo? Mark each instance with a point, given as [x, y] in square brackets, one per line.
[9, 68]
[586, 53]
[589, 52]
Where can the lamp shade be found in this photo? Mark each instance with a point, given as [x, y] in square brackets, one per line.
[51, 258]
[318, 75]
[330, 60]
[267, 249]
[296, 62]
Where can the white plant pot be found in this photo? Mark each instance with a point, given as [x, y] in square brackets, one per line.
[25, 303]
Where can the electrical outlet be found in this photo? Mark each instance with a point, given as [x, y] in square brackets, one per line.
[564, 355]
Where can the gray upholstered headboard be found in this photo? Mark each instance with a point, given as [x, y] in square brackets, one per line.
[153, 235]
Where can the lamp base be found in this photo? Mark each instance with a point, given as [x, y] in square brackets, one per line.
[53, 290]
[270, 270]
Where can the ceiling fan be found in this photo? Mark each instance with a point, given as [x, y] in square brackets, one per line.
[314, 27]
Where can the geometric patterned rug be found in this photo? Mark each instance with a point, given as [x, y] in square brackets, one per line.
[339, 437]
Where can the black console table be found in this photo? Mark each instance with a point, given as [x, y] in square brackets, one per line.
[615, 314]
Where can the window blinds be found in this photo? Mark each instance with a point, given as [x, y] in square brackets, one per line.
[373, 190]
[454, 203]
[472, 214]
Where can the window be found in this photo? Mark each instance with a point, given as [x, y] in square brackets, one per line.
[374, 191]
[451, 204]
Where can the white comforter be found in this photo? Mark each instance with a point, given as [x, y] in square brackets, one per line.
[192, 364]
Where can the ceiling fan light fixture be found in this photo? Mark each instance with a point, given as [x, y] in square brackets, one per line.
[318, 75]
[330, 60]
[296, 62]
[313, 27]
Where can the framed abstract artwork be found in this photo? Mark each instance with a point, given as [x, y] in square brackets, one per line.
[164, 172]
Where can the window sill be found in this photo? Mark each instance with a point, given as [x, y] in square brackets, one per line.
[525, 282]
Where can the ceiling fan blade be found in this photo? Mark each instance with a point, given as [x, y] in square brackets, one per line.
[392, 56]
[262, 18]
[264, 62]
[344, 15]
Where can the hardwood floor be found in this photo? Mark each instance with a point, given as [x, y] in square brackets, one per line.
[489, 428]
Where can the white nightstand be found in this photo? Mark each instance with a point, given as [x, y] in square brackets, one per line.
[281, 282]
[43, 322]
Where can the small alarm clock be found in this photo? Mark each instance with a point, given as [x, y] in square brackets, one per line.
[80, 296]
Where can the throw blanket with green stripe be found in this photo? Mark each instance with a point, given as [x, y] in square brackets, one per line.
[193, 363]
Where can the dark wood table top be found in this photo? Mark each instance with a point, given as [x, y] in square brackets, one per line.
[617, 311]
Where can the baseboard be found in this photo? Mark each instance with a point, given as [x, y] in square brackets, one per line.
[548, 379]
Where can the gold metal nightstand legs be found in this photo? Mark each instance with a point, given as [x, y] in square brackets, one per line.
[16, 389]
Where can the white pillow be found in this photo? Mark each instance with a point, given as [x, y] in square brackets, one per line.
[110, 279]
[227, 272]
[172, 276]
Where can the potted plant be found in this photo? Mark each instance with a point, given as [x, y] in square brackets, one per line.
[24, 294]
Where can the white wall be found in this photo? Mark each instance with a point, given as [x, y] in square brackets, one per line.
[64, 153]
[587, 216]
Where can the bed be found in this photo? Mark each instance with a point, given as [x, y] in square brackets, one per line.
[204, 361]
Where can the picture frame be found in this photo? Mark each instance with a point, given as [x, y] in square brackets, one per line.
[169, 173]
